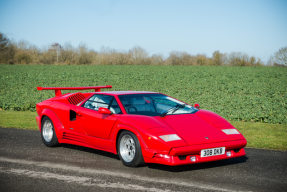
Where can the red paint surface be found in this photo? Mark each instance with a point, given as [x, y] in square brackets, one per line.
[100, 130]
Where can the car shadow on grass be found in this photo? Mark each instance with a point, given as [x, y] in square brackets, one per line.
[198, 166]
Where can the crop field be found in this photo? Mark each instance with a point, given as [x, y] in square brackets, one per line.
[251, 94]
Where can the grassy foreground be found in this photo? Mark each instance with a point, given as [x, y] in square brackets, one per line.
[258, 135]
[18, 119]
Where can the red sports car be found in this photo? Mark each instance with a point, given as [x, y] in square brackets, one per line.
[140, 126]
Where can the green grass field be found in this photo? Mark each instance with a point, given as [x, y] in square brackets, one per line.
[258, 135]
[243, 95]
[250, 94]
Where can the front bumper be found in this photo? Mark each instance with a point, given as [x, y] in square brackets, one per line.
[181, 155]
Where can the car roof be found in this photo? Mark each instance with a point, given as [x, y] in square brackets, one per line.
[126, 92]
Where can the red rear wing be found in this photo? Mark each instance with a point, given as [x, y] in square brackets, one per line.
[58, 89]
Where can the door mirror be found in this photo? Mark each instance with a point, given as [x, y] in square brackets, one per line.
[196, 105]
[103, 110]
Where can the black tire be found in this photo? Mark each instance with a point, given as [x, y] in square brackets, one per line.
[138, 159]
[54, 140]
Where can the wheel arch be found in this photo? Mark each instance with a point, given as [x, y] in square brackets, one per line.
[55, 120]
[122, 127]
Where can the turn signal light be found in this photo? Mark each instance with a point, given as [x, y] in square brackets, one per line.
[171, 137]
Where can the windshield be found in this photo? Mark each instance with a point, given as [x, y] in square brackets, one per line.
[154, 105]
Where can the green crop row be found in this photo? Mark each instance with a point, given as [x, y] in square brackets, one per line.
[237, 93]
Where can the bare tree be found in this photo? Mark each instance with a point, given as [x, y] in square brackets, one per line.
[201, 59]
[23, 45]
[180, 58]
[68, 54]
[84, 56]
[217, 58]
[139, 55]
[156, 59]
[279, 58]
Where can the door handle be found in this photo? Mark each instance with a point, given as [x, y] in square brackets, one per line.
[79, 114]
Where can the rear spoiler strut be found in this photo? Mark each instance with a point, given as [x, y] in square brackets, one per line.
[58, 89]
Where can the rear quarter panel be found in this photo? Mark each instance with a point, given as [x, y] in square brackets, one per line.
[49, 109]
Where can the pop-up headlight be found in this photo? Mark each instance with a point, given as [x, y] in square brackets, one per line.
[230, 131]
[172, 137]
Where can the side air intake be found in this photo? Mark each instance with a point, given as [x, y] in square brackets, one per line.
[72, 137]
[76, 98]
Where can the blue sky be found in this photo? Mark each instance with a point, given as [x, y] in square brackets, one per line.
[255, 27]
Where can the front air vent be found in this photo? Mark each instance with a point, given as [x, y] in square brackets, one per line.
[76, 98]
[73, 137]
[182, 157]
[236, 150]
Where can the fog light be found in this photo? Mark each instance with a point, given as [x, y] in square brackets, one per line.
[193, 158]
[228, 153]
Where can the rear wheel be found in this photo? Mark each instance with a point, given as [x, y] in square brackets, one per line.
[129, 150]
[48, 133]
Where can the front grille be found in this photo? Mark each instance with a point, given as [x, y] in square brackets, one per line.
[182, 157]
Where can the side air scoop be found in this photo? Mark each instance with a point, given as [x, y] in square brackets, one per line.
[58, 89]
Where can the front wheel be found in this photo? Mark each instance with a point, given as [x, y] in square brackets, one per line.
[129, 150]
[48, 133]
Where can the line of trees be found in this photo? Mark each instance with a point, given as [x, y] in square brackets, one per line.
[23, 52]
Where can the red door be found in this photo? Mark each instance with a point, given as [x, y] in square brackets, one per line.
[94, 123]
[74, 124]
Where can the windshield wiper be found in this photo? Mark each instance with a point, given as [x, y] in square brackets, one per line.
[173, 109]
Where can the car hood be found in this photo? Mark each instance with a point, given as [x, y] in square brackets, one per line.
[194, 129]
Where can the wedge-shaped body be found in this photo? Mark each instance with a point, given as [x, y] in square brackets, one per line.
[141, 127]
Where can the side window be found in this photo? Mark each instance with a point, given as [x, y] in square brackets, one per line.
[115, 108]
[97, 101]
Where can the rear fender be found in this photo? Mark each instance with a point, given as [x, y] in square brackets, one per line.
[56, 122]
